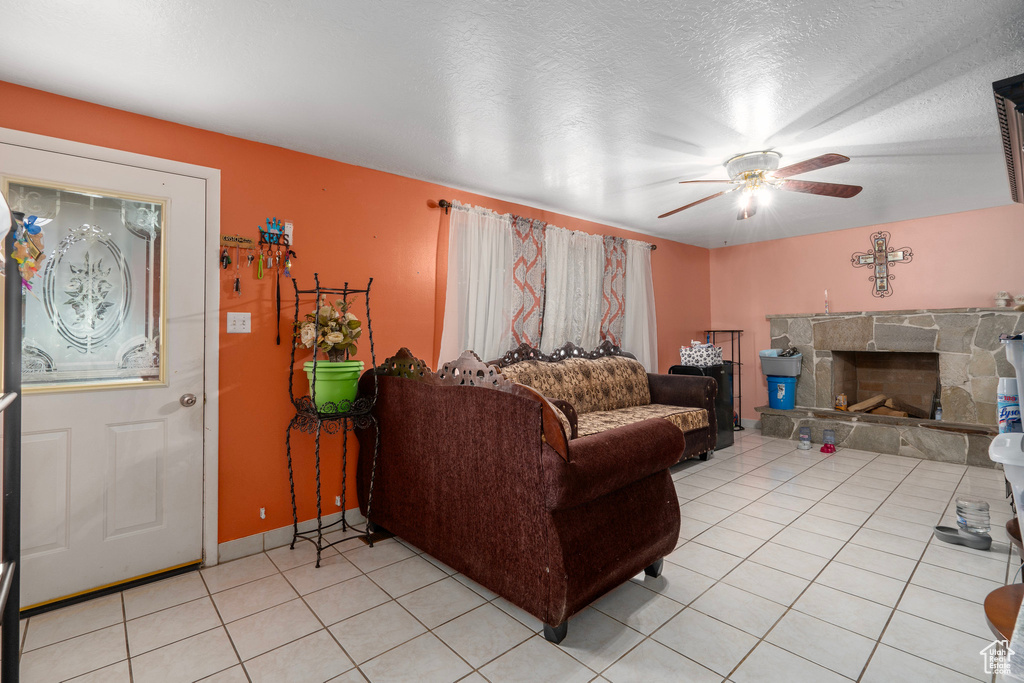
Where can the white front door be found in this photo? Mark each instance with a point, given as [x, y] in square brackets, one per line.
[112, 454]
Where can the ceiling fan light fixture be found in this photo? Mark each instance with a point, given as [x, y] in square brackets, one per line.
[751, 162]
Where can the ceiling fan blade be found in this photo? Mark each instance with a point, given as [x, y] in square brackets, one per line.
[824, 189]
[824, 161]
[699, 201]
[748, 210]
[683, 182]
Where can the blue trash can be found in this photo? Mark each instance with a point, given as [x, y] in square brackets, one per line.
[781, 392]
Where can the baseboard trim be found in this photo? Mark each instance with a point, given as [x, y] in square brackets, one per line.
[275, 538]
[750, 424]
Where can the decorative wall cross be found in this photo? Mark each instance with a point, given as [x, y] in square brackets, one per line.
[880, 260]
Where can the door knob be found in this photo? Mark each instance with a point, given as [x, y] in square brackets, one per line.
[187, 400]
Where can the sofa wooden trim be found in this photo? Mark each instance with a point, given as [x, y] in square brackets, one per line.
[568, 350]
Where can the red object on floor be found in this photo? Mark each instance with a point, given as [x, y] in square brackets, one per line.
[828, 448]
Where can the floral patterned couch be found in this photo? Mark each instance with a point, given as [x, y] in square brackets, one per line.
[608, 388]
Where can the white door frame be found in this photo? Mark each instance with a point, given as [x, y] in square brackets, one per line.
[211, 363]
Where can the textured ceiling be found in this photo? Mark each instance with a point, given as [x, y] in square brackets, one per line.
[594, 109]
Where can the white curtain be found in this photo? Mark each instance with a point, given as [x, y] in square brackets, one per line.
[640, 330]
[573, 294]
[477, 303]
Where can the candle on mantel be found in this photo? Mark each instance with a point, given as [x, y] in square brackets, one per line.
[826, 301]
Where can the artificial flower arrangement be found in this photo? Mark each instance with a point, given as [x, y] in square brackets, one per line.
[332, 329]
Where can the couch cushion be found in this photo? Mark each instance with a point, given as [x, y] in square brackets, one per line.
[686, 419]
[589, 385]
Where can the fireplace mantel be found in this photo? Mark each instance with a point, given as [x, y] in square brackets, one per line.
[905, 312]
[971, 357]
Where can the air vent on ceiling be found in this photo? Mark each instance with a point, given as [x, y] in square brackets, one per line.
[1010, 107]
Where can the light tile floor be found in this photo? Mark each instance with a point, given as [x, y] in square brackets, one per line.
[791, 566]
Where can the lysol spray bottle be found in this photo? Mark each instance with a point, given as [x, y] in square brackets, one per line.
[1008, 405]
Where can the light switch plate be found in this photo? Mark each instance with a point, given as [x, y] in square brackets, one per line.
[239, 323]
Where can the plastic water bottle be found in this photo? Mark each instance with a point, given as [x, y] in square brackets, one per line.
[972, 515]
[1008, 405]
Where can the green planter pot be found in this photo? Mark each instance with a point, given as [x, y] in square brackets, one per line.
[335, 382]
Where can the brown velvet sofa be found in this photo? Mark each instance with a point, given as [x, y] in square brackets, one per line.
[480, 473]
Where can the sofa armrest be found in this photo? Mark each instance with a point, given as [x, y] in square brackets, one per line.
[608, 461]
[686, 390]
[570, 414]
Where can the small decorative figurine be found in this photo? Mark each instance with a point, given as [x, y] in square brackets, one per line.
[28, 249]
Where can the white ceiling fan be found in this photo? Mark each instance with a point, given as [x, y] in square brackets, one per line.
[756, 174]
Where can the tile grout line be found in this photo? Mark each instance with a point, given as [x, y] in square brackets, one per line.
[391, 599]
[317, 616]
[790, 607]
[849, 542]
[744, 559]
[300, 597]
[225, 626]
[127, 647]
[759, 500]
[124, 622]
[896, 606]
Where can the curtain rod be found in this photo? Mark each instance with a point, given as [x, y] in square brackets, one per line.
[445, 204]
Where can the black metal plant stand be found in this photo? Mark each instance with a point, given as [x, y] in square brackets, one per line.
[331, 419]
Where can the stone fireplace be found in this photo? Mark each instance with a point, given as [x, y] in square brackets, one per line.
[952, 354]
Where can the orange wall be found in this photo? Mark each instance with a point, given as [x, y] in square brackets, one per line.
[351, 223]
[960, 260]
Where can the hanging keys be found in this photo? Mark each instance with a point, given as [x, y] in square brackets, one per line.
[225, 259]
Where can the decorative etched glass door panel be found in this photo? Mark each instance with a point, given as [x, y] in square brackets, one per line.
[94, 316]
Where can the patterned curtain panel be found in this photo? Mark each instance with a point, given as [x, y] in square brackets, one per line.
[614, 306]
[528, 275]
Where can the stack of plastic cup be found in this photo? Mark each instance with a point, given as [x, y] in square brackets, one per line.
[972, 516]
